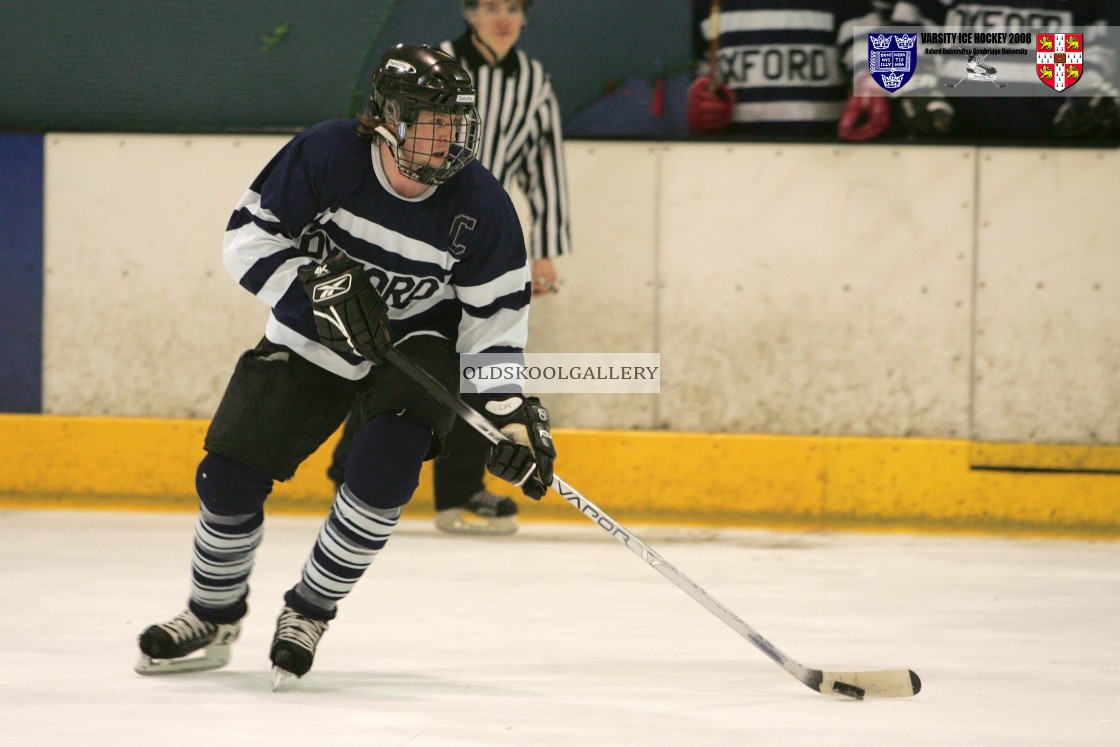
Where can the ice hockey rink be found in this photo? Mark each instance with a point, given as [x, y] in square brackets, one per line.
[560, 636]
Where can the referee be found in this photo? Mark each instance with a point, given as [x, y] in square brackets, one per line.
[521, 139]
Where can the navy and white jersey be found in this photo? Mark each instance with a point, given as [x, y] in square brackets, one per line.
[450, 262]
[521, 139]
[788, 62]
[1030, 113]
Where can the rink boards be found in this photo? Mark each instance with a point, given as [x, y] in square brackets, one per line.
[935, 337]
[646, 477]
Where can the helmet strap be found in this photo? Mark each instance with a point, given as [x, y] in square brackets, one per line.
[389, 138]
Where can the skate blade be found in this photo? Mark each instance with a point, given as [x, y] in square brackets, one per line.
[279, 677]
[213, 657]
[453, 521]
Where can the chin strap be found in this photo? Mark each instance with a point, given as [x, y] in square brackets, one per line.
[393, 140]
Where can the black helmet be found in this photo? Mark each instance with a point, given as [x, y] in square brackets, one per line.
[421, 85]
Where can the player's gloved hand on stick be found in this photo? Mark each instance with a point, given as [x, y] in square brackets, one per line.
[1086, 117]
[350, 315]
[527, 460]
[924, 112]
[926, 116]
[709, 107]
[867, 114]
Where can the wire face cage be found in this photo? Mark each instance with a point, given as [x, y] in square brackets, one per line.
[437, 143]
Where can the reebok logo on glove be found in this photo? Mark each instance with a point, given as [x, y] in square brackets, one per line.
[350, 316]
[330, 289]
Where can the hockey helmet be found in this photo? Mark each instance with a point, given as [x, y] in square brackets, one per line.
[425, 103]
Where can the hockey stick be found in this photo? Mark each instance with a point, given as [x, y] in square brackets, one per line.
[713, 44]
[882, 683]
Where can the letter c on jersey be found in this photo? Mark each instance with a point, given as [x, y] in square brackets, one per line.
[455, 238]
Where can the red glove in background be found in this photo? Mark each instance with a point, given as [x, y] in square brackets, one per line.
[867, 114]
[708, 111]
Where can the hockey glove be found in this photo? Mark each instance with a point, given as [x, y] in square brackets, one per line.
[867, 114]
[926, 116]
[350, 315]
[1086, 118]
[709, 108]
[526, 460]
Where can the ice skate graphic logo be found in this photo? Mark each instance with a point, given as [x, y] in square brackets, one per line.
[891, 59]
[1060, 59]
[979, 69]
[328, 290]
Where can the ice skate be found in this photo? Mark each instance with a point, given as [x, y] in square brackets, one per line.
[483, 513]
[976, 69]
[980, 70]
[293, 645]
[185, 644]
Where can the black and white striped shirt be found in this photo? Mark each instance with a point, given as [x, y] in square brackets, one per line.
[521, 139]
[787, 62]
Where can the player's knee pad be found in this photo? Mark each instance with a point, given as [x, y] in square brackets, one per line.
[227, 487]
[383, 467]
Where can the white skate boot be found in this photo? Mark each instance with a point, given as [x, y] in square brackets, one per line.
[483, 513]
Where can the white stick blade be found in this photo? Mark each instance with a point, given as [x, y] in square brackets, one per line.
[886, 683]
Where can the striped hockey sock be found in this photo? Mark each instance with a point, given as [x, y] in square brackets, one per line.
[350, 539]
[224, 549]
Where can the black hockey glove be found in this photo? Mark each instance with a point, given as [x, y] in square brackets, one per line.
[350, 315]
[527, 460]
[925, 116]
[1086, 118]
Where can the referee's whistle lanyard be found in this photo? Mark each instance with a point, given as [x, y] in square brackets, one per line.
[494, 55]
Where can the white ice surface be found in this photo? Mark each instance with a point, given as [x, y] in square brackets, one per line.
[560, 636]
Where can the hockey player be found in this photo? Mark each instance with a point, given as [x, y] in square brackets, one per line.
[359, 235]
[1087, 112]
[784, 66]
[522, 145]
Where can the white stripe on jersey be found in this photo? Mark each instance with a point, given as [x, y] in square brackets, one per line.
[478, 296]
[314, 351]
[790, 111]
[769, 20]
[389, 240]
[478, 334]
[239, 260]
[235, 256]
